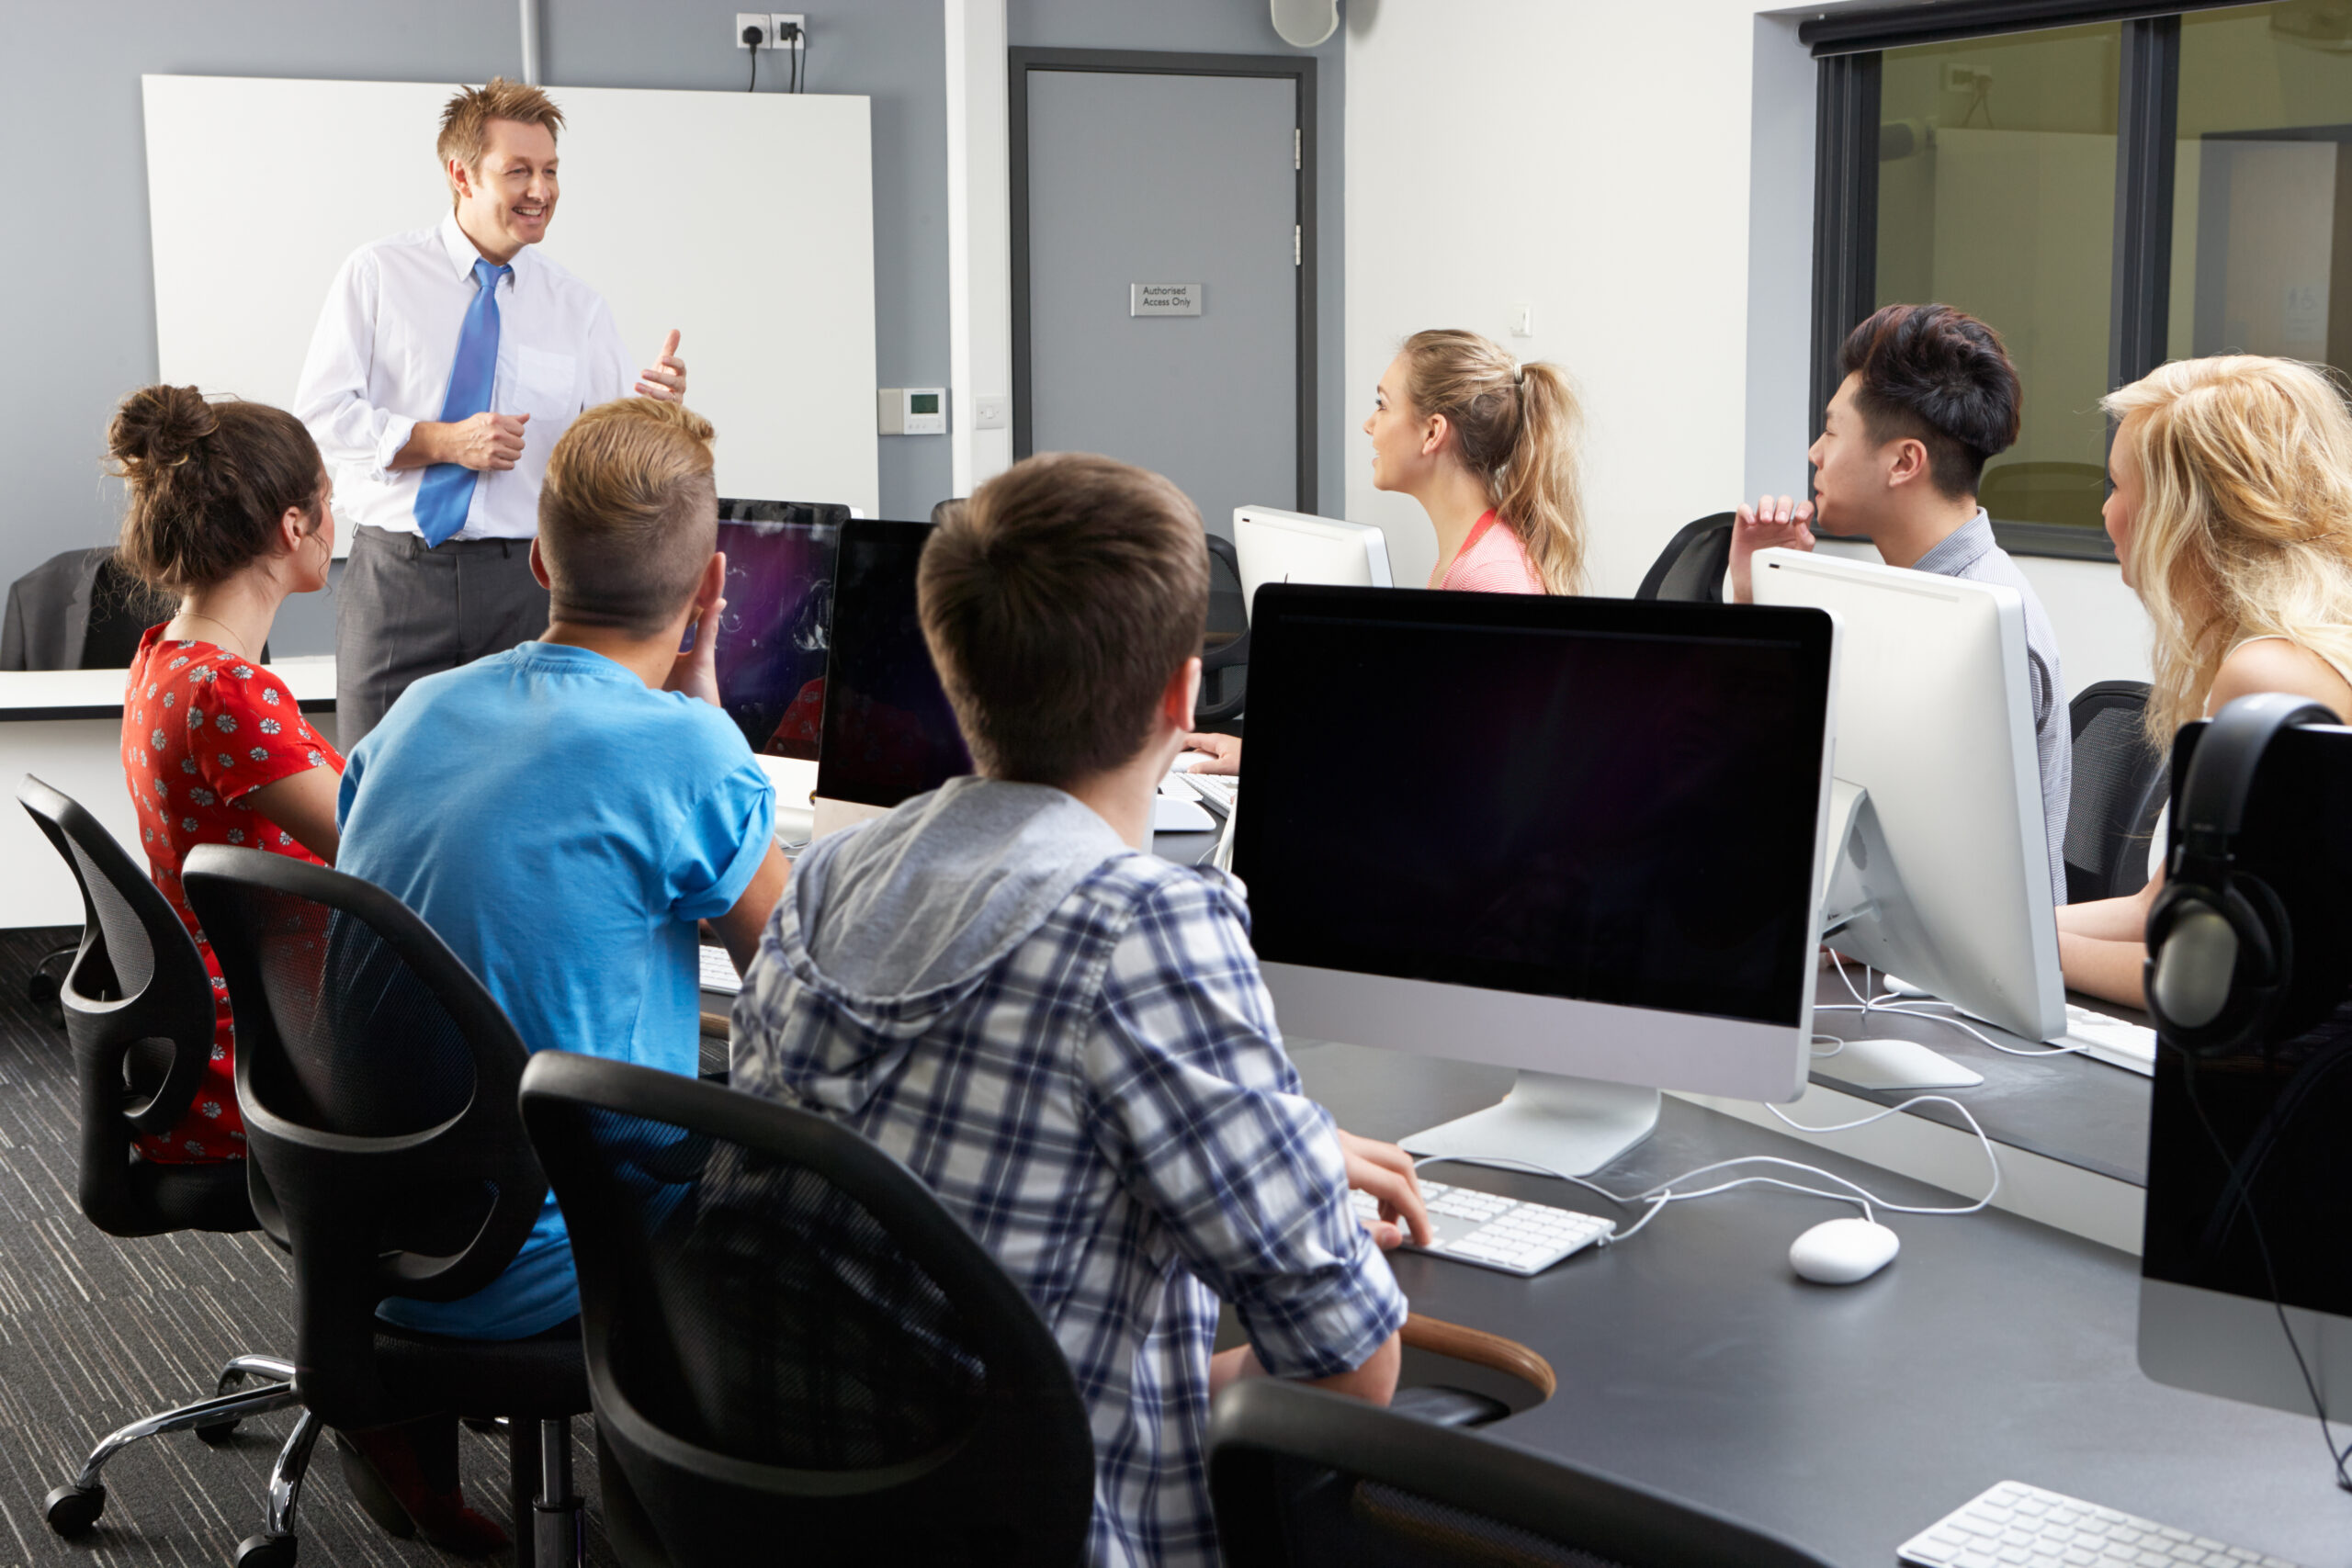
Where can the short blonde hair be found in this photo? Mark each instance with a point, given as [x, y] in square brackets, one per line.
[2244, 527]
[629, 514]
[465, 119]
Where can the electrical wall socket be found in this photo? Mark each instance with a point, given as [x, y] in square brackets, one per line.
[755, 19]
[777, 22]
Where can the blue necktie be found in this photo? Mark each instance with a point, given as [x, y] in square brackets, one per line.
[447, 489]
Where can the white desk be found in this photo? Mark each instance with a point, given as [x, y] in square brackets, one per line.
[65, 727]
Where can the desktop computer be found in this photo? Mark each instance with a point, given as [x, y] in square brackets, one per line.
[1616, 887]
[1940, 865]
[888, 732]
[773, 634]
[1291, 546]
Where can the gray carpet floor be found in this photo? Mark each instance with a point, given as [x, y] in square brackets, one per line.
[96, 1332]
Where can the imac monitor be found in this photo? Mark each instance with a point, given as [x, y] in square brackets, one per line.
[1945, 875]
[889, 733]
[2249, 1162]
[1291, 546]
[1613, 885]
[771, 637]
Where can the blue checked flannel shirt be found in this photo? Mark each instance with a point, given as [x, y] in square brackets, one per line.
[1108, 1108]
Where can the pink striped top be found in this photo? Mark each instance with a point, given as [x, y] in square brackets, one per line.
[1491, 561]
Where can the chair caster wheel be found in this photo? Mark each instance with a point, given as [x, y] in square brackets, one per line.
[217, 1434]
[72, 1510]
[266, 1551]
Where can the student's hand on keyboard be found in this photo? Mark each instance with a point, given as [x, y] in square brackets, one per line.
[1385, 1172]
[1224, 752]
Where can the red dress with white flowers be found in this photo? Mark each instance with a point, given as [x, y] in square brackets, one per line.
[201, 729]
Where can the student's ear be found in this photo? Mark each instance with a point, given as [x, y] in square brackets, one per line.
[1434, 433]
[539, 565]
[293, 527]
[1183, 695]
[713, 579]
[1910, 461]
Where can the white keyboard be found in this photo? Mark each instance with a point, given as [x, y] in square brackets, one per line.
[1496, 1233]
[2015, 1525]
[718, 972]
[2131, 1046]
[1217, 791]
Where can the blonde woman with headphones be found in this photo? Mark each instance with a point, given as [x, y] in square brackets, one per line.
[1491, 449]
[2232, 516]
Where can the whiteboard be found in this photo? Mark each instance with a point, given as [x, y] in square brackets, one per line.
[743, 220]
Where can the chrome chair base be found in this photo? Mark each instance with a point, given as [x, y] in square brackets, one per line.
[72, 1509]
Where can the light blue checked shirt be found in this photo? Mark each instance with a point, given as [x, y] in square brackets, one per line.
[1070, 1043]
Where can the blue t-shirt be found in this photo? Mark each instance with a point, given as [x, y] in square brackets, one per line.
[562, 828]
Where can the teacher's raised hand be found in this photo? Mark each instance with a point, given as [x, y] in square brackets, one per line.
[666, 380]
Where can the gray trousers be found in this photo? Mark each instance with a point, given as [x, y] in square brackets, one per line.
[403, 612]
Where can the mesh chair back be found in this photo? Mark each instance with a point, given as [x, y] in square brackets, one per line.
[1691, 567]
[376, 1079]
[788, 1339]
[1225, 650]
[138, 1014]
[2120, 786]
[1306, 1478]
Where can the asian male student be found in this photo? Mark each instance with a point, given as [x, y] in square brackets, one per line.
[1928, 395]
[1066, 1038]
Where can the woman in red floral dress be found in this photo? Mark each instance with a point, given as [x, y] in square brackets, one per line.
[229, 511]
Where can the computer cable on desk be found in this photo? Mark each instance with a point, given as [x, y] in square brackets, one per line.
[1657, 1197]
[1894, 1002]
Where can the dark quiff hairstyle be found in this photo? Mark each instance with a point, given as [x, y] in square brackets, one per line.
[1940, 377]
[208, 482]
[1057, 603]
[629, 514]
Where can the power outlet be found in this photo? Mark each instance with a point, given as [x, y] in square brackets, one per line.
[781, 25]
[754, 21]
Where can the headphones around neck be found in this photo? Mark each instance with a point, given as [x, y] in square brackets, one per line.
[2221, 950]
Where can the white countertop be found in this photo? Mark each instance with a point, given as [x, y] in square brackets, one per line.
[95, 694]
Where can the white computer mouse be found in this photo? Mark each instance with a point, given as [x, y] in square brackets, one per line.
[1839, 1252]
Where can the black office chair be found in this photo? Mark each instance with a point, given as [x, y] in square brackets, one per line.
[1691, 567]
[791, 1341]
[386, 1154]
[1225, 651]
[1302, 1478]
[139, 1018]
[78, 611]
[2120, 786]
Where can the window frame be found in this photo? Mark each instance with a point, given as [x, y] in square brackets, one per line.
[1848, 46]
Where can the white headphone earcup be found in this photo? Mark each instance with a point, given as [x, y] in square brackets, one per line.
[2196, 966]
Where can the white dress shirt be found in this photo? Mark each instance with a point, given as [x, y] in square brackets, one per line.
[380, 362]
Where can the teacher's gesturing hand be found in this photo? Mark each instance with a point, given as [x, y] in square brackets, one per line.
[667, 379]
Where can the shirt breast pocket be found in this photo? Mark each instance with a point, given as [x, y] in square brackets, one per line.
[544, 384]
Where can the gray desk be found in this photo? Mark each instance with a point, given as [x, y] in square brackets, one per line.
[1845, 1419]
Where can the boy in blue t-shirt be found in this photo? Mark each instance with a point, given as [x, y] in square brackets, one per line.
[562, 814]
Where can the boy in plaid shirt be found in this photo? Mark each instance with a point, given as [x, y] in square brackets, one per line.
[1066, 1038]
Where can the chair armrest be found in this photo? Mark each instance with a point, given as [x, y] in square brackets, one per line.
[1480, 1349]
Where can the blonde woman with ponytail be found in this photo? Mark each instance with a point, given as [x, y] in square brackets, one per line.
[1490, 448]
[2232, 516]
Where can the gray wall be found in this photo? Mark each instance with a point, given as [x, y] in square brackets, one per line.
[76, 285]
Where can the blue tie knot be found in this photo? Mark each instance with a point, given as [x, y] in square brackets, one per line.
[488, 273]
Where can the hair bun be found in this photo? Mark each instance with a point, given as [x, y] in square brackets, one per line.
[157, 426]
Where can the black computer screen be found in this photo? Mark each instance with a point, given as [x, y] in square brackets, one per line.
[888, 732]
[1591, 798]
[2250, 1149]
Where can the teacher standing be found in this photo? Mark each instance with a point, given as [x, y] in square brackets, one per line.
[446, 363]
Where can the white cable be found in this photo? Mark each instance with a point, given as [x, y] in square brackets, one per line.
[1659, 1196]
[1890, 1002]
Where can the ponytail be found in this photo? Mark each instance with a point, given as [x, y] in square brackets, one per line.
[208, 482]
[1520, 429]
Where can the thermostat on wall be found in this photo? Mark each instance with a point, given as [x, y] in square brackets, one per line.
[913, 411]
